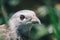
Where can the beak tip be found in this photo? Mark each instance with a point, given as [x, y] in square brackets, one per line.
[35, 22]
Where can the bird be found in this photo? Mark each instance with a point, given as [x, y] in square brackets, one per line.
[25, 25]
[17, 24]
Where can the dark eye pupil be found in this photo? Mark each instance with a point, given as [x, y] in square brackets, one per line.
[22, 17]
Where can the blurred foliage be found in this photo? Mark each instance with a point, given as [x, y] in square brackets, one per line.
[37, 32]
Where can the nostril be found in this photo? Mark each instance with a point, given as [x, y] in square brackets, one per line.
[35, 22]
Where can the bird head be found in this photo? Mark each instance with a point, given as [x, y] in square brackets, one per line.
[25, 17]
[19, 20]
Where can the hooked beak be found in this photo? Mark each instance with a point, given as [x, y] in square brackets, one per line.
[35, 20]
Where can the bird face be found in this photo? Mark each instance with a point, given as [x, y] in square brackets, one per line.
[25, 17]
[19, 19]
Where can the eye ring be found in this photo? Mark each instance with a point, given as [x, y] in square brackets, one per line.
[22, 17]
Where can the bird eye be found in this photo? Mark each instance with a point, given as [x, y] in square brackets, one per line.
[22, 17]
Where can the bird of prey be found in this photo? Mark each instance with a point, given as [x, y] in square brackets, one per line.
[24, 25]
[17, 24]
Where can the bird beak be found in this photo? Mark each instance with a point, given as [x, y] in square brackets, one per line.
[35, 20]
